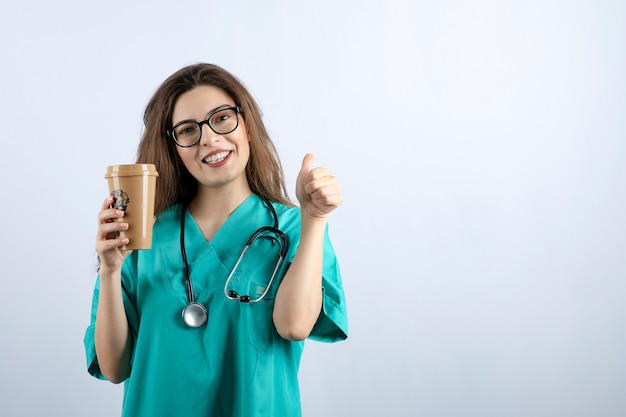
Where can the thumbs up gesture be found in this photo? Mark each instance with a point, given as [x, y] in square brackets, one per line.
[317, 190]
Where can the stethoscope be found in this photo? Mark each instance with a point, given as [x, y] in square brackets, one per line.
[195, 314]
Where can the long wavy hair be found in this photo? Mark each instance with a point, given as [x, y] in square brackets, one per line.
[175, 184]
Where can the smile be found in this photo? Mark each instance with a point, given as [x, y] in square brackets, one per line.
[216, 157]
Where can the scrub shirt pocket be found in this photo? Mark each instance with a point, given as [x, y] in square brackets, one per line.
[261, 332]
[251, 277]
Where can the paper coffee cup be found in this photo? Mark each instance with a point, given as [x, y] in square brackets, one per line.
[133, 187]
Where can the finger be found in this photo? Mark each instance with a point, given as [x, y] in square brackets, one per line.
[112, 227]
[315, 184]
[307, 163]
[327, 196]
[112, 238]
[108, 202]
[317, 173]
[109, 214]
[103, 246]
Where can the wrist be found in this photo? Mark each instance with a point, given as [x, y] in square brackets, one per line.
[311, 223]
[106, 272]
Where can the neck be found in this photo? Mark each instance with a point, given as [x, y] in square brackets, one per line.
[217, 203]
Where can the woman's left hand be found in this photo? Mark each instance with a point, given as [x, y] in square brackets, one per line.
[317, 190]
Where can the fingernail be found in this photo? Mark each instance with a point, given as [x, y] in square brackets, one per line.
[119, 213]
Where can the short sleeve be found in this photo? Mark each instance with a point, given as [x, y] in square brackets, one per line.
[128, 296]
[332, 324]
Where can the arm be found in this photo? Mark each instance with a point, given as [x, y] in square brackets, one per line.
[112, 340]
[299, 298]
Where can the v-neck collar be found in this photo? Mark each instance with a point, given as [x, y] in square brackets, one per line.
[234, 216]
[230, 238]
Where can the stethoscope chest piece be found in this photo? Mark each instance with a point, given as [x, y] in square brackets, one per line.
[194, 315]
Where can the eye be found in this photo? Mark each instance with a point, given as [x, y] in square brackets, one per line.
[186, 129]
[221, 117]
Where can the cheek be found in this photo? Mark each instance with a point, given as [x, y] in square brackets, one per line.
[181, 155]
[184, 154]
[246, 149]
[243, 143]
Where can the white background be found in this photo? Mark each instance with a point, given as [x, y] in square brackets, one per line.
[481, 147]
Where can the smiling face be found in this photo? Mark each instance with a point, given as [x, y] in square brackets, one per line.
[217, 161]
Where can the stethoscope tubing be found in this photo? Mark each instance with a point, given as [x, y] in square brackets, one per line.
[195, 314]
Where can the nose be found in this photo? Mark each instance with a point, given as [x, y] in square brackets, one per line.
[208, 135]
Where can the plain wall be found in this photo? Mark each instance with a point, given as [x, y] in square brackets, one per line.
[481, 147]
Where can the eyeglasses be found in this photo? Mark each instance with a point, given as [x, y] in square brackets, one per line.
[188, 132]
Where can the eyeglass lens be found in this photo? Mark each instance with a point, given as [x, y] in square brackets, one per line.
[221, 122]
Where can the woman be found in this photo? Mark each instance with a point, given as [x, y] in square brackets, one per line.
[193, 327]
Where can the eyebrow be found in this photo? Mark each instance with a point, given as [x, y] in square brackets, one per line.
[206, 115]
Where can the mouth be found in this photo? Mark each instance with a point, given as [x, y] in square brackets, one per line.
[215, 158]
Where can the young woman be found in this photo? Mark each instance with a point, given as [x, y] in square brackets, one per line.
[198, 325]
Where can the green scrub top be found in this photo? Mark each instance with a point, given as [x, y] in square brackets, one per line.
[236, 364]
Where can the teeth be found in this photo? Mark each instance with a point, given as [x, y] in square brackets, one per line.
[217, 157]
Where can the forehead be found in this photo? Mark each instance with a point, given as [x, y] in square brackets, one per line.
[196, 104]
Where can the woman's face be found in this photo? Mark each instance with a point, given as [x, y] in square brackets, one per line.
[217, 160]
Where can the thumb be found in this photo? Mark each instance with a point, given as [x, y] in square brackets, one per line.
[307, 163]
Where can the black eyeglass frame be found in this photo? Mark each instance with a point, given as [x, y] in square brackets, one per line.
[170, 132]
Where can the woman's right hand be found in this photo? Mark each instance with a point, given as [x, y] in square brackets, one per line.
[108, 243]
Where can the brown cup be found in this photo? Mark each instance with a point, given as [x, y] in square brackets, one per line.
[133, 187]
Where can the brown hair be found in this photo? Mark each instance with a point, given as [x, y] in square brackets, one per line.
[175, 184]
